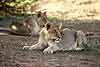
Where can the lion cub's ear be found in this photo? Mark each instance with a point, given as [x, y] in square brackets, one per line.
[48, 25]
[39, 13]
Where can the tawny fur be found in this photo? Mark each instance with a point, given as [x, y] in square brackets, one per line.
[52, 39]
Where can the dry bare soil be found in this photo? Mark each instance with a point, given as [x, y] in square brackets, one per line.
[12, 54]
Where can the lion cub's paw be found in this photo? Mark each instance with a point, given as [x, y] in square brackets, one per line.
[26, 47]
[78, 48]
[48, 51]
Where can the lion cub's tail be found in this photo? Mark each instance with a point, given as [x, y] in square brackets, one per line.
[80, 38]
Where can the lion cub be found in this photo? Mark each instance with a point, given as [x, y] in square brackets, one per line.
[52, 39]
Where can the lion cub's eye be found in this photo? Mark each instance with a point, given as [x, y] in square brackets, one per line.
[53, 39]
[56, 40]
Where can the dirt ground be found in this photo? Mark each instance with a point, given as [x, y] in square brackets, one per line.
[12, 54]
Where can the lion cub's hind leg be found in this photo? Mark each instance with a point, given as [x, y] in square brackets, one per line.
[81, 40]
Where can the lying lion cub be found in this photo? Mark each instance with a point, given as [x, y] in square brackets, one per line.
[52, 39]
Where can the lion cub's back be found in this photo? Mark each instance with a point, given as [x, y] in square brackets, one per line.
[68, 38]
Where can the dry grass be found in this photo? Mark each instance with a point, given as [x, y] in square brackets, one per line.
[71, 9]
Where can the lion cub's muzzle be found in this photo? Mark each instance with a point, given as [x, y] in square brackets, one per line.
[55, 40]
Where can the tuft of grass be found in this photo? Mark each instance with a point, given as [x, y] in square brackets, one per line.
[51, 17]
[19, 17]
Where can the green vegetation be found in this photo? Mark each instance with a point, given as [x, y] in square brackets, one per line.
[51, 17]
[21, 16]
[7, 17]
[12, 7]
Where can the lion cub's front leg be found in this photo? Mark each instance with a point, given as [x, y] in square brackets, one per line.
[52, 47]
[42, 42]
[40, 45]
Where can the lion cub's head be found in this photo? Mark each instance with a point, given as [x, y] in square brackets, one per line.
[54, 33]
